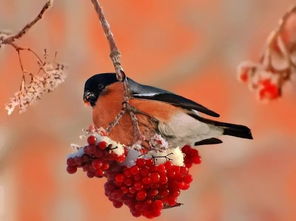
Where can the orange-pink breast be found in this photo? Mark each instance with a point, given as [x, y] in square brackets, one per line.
[109, 105]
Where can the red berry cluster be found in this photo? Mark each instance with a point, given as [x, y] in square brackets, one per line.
[96, 158]
[268, 90]
[145, 188]
[191, 156]
[276, 65]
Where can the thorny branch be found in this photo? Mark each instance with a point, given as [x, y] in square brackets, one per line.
[115, 57]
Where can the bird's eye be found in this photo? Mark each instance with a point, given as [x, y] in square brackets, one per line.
[100, 87]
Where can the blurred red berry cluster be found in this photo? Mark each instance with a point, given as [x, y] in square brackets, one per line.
[145, 187]
[277, 64]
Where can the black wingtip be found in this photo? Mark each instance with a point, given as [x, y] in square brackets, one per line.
[208, 141]
[238, 131]
[214, 114]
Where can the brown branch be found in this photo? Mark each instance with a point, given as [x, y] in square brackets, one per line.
[114, 52]
[166, 206]
[115, 58]
[8, 39]
[28, 26]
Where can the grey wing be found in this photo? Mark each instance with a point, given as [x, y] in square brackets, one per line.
[153, 93]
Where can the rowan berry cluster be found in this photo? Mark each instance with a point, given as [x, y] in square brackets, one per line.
[277, 65]
[145, 186]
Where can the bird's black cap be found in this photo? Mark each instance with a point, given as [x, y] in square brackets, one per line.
[95, 85]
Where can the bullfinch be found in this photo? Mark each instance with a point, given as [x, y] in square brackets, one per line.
[177, 119]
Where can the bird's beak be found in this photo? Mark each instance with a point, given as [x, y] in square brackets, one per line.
[86, 103]
[89, 98]
[86, 98]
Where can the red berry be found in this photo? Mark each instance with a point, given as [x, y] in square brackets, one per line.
[163, 179]
[155, 177]
[188, 178]
[146, 180]
[164, 193]
[141, 195]
[71, 162]
[117, 204]
[137, 177]
[120, 158]
[124, 189]
[132, 190]
[134, 170]
[184, 170]
[128, 182]
[90, 174]
[91, 140]
[149, 162]
[71, 169]
[161, 168]
[172, 201]
[127, 173]
[138, 186]
[153, 192]
[97, 164]
[119, 178]
[158, 204]
[140, 162]
[186, 149]
[102, 145]
[144, 172]
[99, 173]
[105, 166]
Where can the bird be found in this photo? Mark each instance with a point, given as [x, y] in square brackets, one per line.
[177, 119]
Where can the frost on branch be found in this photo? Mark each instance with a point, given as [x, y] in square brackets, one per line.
[277, 64]
[144, 180]
[51, 74]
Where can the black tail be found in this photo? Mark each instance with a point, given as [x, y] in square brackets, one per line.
[229, 129]
[238, 131]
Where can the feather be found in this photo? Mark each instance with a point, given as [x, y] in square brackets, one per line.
[148, 92]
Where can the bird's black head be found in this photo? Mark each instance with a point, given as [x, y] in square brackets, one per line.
[95, 85]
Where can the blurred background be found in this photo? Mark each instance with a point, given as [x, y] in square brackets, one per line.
[190, 47]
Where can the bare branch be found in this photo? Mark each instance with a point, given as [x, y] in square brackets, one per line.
[27, 27]
[114, 52]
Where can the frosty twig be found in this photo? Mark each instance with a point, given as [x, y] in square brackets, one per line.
[49, 76]
[278, 62]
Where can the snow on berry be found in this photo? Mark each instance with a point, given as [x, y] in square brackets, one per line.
[146, 181]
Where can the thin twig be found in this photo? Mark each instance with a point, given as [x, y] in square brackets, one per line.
[114, 52]
[116, 120]
[27, 27]
[169, 207]
[9, 39]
